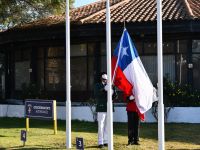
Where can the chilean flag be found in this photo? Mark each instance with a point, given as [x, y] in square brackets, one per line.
[129, 74]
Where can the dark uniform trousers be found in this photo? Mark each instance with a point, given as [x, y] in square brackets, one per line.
[133, 126]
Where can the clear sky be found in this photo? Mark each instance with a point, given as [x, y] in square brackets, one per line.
[79, 3]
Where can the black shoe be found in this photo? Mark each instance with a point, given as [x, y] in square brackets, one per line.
[100, 146]
[136, 143]
[130, 143]
[106, 144]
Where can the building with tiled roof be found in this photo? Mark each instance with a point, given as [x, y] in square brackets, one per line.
[35, 52]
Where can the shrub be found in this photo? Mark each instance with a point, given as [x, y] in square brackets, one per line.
[180, 95]
[31, 91]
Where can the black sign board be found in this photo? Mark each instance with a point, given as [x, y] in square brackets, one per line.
[79, 143]
[39, 109]
[23, 135]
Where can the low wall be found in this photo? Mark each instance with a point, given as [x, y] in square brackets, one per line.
[176, 115]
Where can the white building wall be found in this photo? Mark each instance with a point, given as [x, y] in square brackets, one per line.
[176, 115]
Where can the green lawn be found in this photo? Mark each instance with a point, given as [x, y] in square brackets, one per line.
[178, 136]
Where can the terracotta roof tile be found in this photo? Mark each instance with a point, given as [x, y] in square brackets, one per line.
[195, 7]
[49, 21]
[87, 10]
[145, 10]
[128, 10]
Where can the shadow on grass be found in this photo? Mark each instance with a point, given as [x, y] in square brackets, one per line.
[27, 148]
[77, 126]
[187, 149]
[93, 146]
[188, 133]
[34, 123]
[173, 132]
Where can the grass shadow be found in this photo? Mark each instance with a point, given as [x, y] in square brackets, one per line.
[183, 132]
[30, 148]
[92, 146]
[173, 131]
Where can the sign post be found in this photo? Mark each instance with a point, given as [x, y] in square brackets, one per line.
[41, 109]
[55, 117]
[79, 143]
[23, 136]
[27, 124]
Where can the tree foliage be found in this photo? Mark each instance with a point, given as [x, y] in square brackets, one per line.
[13, 12]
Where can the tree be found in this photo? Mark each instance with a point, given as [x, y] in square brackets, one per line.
[14, 12]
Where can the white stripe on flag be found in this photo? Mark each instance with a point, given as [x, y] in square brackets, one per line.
[143, 88]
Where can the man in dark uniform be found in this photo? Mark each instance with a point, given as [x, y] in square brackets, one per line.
[100, 93]
[134, 117]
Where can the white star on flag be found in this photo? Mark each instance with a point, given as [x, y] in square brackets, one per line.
[124, 52]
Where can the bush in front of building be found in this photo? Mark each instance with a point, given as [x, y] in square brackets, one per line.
[178, 95]
[31, 91]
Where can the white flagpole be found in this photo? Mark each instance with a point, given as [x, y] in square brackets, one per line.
[161, 136]
[68, 83]
[109, 98]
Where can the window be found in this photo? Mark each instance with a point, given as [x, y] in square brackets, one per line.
[168, 47]
[181, 61]
[79, 67]
[40, 68]
[150, 48]
[51, 71]
[138, 46]
[196, 62]
[22, 72]
[40, 73]
[56, 52]
[79, 74]
[196, 46]
[182, 46]
[103, 55]
[2, 75]
[91, 66]
[78, 50]
[150, 65]
[22, 68]
[55, 69]
[196, 70]
[169, 67]
[55, 74]
[103, 58]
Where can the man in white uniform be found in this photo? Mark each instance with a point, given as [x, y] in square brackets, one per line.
[100, 93]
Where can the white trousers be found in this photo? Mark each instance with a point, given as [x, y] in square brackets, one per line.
[102, 128]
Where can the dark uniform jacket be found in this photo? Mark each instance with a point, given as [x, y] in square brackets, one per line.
[101, 97]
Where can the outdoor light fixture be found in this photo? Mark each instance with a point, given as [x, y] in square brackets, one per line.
[190, 66]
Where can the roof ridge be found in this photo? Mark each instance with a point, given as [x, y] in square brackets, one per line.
[188, 8]
[100, 11]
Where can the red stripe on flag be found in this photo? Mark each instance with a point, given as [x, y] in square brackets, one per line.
[120, 80]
